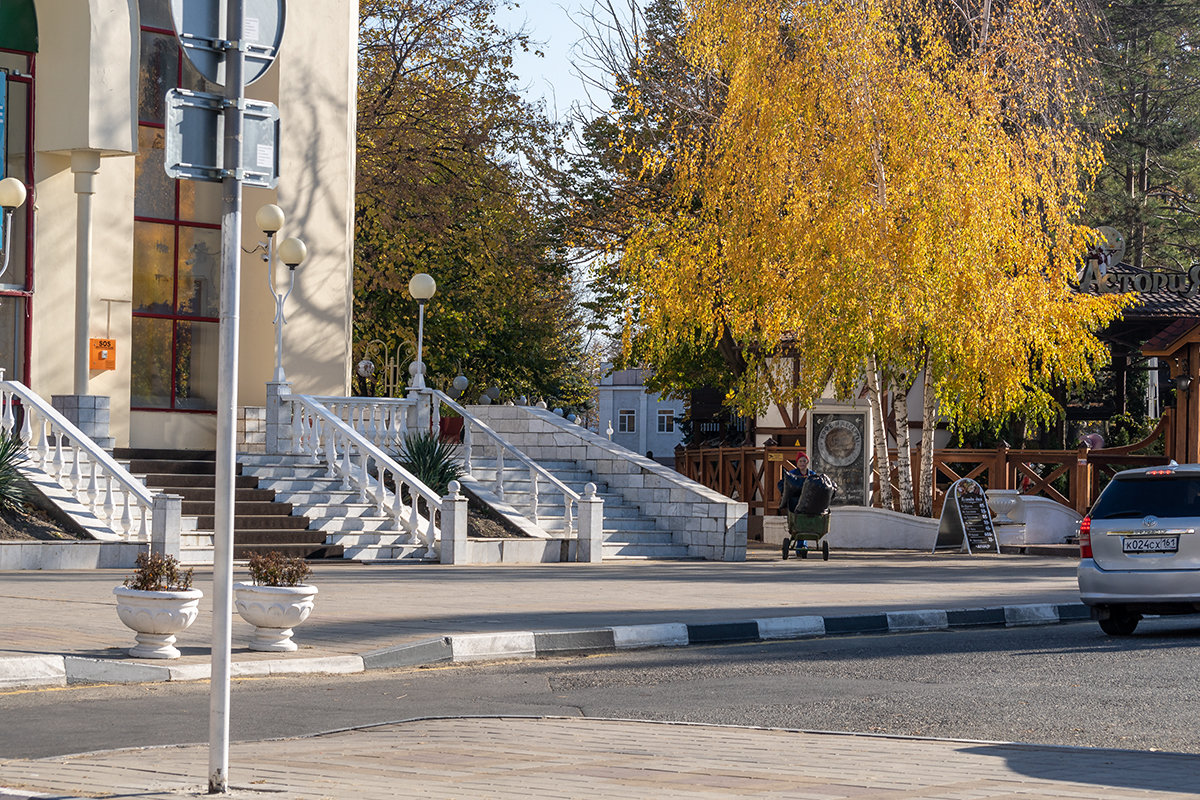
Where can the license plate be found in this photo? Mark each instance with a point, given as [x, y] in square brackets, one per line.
[1155, 544]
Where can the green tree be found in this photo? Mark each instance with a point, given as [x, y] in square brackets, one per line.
[1149, 77]
[457, 177]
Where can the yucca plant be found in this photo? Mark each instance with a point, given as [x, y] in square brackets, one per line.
[432, 460]
[13, 492]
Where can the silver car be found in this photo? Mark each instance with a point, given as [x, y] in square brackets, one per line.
[1139, 547]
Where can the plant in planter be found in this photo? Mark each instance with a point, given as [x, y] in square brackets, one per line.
[158, 602]
[276, 600]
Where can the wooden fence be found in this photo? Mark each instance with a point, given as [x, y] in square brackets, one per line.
[1071, 477]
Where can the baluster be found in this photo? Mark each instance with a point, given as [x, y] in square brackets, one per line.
[56, 467]
[567, 523]
[435, 413]
[414, 519]
[93, 489]
[144, 528]
[381, 497]
[319, 436]
[430, 530]
[499, 470]
[533, 495]
[395, 428]
[7, 420]
[109, 508]
[43, 441]
[347, 463]
[364, 483]
[331, 453]
[126, 522]
[76, 469]
[397, 503]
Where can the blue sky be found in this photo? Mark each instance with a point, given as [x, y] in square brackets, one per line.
[552, 25]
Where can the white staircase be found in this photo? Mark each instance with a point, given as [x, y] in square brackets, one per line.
[364, 533]
[628, 534]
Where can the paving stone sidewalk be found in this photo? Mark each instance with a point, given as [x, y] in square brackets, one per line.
[587, 758]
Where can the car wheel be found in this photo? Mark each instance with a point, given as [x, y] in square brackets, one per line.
[1119, 623]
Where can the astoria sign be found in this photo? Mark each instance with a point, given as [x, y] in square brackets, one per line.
[1095, 278]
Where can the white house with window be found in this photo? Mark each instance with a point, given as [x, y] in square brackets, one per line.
[641, 420]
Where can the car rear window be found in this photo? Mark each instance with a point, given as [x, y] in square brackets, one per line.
[1133, 497]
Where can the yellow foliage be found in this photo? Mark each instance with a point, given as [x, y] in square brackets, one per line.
[873, 187]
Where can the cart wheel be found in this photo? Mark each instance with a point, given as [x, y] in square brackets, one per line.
[825, 550]
[787, 547]
[802, 552]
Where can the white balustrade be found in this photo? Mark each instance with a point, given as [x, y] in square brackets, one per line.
[474, 427]
[348, 436]
[76, 463]
[382, 421]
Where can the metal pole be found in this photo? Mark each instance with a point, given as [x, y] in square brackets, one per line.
[419, 378]
[227, 391]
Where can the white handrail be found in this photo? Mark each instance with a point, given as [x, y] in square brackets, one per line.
[502, 448]
[77, 463]
[324, 436]
[384, 421]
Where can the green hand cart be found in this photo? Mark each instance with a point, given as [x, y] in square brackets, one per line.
[805, 528]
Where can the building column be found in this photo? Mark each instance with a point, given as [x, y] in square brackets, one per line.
[85, 164]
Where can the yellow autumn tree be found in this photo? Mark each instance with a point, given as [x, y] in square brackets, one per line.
[889, 192]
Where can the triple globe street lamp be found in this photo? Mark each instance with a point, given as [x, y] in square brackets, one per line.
[290, 251]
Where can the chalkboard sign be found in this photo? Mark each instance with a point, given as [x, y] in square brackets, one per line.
[966, 519]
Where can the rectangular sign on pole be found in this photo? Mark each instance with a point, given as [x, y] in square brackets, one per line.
[195, 132]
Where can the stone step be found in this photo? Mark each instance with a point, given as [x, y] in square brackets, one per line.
[306, 499]
[361, 539]
[271, 537]
[331, 525]
[388, 553]
[648, 552]
[168, 481]
[200, 494]
[290, 486]
[637, 537]
[242, 507]
[319, 511]
[147, 466]
[273, 522]
[290, 550]
[308, 471]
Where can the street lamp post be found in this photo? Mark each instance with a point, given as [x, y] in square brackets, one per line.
[421, 286]
[291, 252]
[12, 195]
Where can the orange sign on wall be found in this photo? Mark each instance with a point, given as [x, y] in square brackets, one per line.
[103, 354]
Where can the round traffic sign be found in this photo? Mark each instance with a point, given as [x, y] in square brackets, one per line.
[202, 25]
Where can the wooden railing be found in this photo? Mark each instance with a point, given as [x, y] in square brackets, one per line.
[1071, 477]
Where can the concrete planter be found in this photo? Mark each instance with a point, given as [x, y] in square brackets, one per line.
[273, 611]
[157, 617]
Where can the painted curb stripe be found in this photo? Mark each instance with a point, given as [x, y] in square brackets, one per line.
[865, 623]
[563, 642]
[972, 617]
[723, 632]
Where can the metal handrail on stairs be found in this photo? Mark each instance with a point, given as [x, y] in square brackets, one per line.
[78, 464]
[324, 436]
[537, 472]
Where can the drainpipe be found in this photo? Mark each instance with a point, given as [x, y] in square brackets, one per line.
[84, 164]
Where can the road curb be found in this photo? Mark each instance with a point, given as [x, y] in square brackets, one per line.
[36, 671]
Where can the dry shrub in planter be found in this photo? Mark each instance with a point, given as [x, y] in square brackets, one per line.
[276, 600]
[276, 569]
[158, 602]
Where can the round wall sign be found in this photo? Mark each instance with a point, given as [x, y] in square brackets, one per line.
[839, 443]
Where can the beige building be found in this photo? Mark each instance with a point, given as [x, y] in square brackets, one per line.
[83, 85]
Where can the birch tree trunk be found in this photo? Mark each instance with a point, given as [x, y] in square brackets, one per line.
[903, 455]
[883, 465]
[929, 415]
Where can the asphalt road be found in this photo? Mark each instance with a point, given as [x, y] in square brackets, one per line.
[1064, 684]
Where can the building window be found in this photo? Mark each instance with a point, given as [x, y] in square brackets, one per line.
[666, 420]
[16, 161]
[625, 421]
[176, 244]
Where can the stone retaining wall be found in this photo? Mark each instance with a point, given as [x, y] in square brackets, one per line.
[711, 525]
